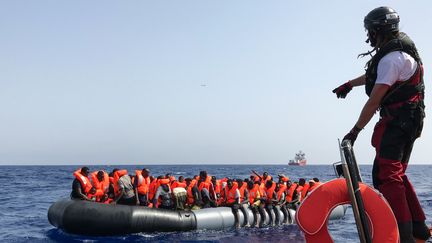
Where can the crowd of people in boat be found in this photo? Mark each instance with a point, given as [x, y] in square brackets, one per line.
[258, 192]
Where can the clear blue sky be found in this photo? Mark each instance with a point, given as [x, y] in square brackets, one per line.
[188, 81]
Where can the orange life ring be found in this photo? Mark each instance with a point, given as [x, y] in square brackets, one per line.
[313, 213]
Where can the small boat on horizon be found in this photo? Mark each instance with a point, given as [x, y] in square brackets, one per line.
[299, 159]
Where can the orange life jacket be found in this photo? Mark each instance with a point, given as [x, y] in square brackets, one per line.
[176, 184]
[253, 193]
[285, 178]
[84, 180]
[217, 187]
[101, 186]
[164, 181]
[242, 191]
[269, 192]
[304, 191]
[152, 189]
[230, 194]
[282, 189]
[290, 192]
[299, 189]
[190, 197]
[262, 190]
[193, 182]
[204, 184]
[269, 177]
[117, 176]
[143, 184]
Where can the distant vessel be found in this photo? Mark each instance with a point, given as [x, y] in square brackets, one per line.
[299, 159]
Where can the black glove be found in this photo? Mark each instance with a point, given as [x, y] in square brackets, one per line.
[343, 90]
[352, 135]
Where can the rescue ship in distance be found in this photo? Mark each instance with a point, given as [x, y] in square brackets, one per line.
[299, 159]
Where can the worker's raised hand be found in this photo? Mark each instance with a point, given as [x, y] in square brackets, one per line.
[343, 90]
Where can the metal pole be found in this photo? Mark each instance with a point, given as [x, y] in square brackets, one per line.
[352, 177]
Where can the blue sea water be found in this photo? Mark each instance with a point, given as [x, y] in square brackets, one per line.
[28, 191]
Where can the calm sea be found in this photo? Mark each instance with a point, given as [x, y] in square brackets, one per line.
[28, 191]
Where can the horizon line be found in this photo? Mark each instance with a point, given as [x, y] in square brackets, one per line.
[76, 164]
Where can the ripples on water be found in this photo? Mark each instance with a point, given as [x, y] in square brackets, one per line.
[30, 190]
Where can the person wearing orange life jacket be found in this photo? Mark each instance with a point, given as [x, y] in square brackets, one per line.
[163, 195]
[126, 193]
[270, 198]
[152, 188]
[81, 185]
[283, 178]
[255, 203]
[179, 192]
[299, 189]
[304, 191]
[281, 202]
[291, 196]
[217, 188]
[178, 183]
[233, 200]
[193, 196]
[265, 177]
[316, 183]
[142, 185]
[313, 184]
[205, 186]
[100, 181]
[244, 199]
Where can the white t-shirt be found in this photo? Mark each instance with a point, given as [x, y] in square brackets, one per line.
[395, 66]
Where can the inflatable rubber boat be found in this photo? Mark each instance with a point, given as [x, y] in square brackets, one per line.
[89, 218]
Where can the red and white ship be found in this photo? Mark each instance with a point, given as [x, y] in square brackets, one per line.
[299, 159]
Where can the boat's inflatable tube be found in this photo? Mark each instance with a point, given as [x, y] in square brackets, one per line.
[89, 218]
[315, 209]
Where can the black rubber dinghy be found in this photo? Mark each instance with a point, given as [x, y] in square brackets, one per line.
[89, 218]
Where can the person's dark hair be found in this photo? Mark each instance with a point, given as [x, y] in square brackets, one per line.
[181, 179]
[85, 169]
[114, 170]
[269, 183]
[203, 175]
[302, 181]
[250, 184]
[229, 182]
[315, 179]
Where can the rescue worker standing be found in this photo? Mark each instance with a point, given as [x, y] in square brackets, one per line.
[394, 84]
